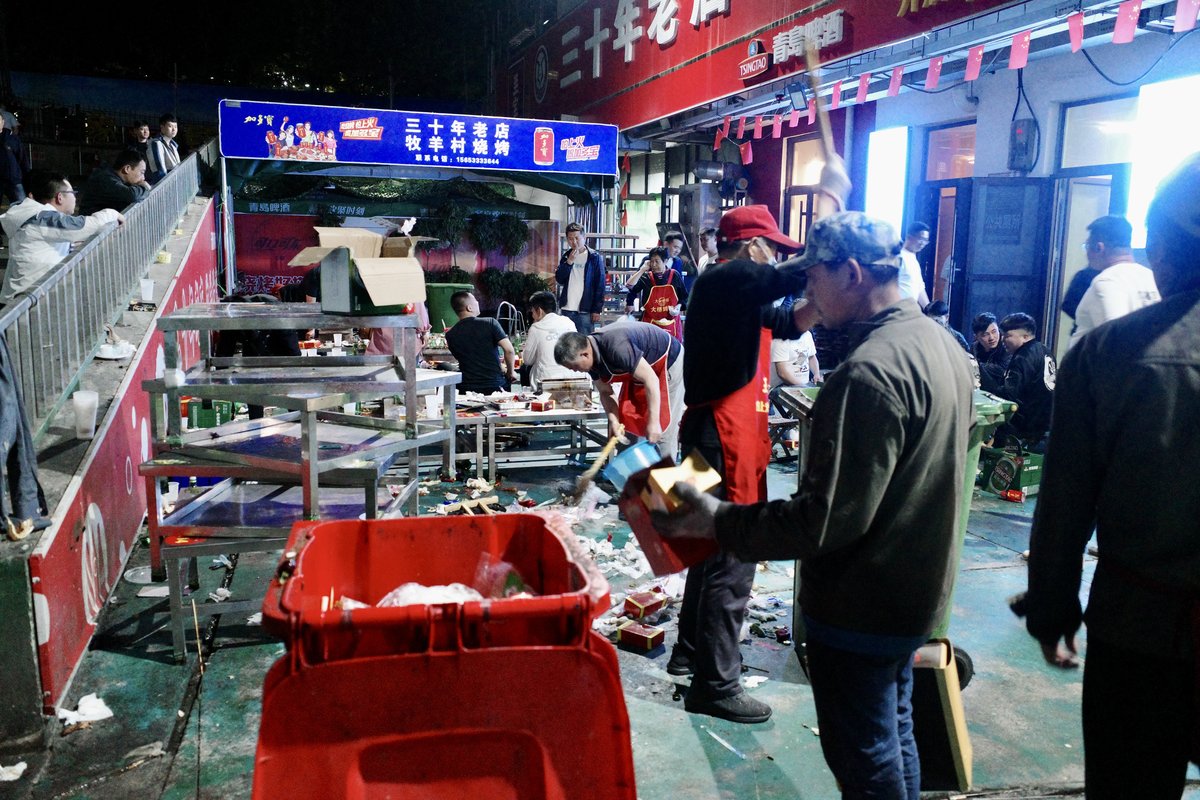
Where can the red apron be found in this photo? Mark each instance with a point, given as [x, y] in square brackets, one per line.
[741, 420]
[632, 407]
[658, 305]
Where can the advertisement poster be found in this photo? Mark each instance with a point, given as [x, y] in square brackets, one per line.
[250, 129]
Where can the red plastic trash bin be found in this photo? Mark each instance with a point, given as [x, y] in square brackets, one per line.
[364, 560]
[512, 698]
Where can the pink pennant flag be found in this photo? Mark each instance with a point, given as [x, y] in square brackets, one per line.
[717, 140]
[835, 99]
[1185, 15]
[864, 82]
[1075, 28]
[1127, 18]
[741, 131]
[1018, 57]
[974, 62]
[812, 111]
[747, 151]
[725, 128]
[758, 127]
[935, 73]
[894, 85]
[778, 131]
[794, 118]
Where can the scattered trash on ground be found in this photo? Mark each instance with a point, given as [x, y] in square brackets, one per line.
[90, 709]
[754, 681]
[14, 772]
[152, 750]
[220, 595]
[161, 590]
[254, 619]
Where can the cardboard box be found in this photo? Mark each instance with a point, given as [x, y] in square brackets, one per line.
[1007, 469]
[362, 243]
[367, 286]
[939, 723]
[402, 246]
[639, 637]
[666, 556]
[542, 405]
[642, 604]
[209, 413]
[310, 256]
[659, 493]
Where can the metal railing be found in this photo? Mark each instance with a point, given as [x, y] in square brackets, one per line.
[55, 329]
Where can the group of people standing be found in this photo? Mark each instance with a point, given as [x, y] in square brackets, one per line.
[875, 523]
[53, 215]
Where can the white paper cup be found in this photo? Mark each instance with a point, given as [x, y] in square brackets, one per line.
[337, 340]
[147, 290]
[85, 403]
[433, 406]
[172, 495]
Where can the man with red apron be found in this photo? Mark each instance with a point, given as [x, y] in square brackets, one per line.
[661, 293]
[646, 363]
[731, 321]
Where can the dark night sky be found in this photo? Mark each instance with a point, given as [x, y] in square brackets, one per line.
[437, 50]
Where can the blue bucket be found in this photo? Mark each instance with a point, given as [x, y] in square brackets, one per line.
[627, 462]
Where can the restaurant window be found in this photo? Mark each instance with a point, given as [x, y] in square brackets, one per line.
[656, 177]
[1099, 132]
[950, 153]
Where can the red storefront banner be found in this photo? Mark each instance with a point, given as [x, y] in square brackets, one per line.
[79, 559]
[630, 62]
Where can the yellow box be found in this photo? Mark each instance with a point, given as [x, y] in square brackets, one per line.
[659, 494]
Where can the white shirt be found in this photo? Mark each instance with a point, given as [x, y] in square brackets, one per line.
[795, 352]
[538, 351]
[911, 282]
[576, 282]
[39, 236]
[1115, 292]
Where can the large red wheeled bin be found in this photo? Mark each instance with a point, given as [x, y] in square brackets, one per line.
[508, 698]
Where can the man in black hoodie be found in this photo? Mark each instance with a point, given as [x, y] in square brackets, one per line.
[1028, 381]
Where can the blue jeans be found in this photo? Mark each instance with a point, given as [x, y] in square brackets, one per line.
[864, 708]
[582, 319]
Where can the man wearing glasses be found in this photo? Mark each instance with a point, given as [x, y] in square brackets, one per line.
[1121, 285]
[41, 229]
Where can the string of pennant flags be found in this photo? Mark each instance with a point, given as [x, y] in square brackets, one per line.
[1186, 13]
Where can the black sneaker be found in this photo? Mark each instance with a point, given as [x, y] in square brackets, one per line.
[740, 707]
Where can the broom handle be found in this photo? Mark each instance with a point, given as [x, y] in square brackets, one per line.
[811, 62]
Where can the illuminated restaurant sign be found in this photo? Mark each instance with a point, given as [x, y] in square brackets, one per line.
[286, 132]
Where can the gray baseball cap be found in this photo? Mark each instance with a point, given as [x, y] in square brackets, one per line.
[849, 234]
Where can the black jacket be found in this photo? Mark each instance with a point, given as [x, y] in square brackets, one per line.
[105, 189]
[1029, 382]
[729, 306]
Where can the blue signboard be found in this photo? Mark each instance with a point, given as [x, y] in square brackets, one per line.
[251, 129]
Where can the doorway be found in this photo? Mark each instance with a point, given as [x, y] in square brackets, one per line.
[1007, 263]
[1078, 199]
[945, 206]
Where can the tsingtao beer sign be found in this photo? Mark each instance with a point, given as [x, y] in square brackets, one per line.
[282, 131]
